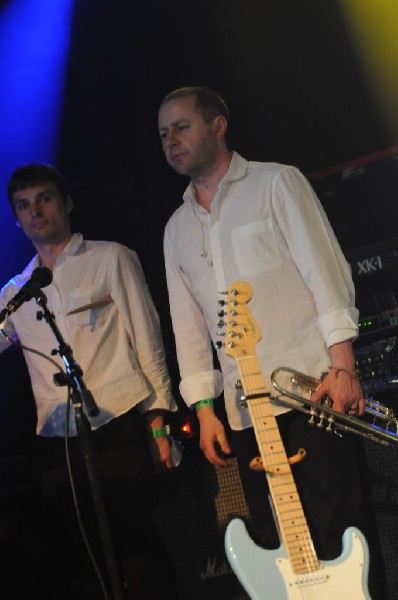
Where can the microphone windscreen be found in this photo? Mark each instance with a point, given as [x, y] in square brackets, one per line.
[42, 276]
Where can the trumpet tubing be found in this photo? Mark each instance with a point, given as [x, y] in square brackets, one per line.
[378, 423]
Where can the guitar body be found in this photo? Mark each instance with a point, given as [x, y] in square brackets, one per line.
[267, 574]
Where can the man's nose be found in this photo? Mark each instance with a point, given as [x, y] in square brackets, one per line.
[36, 209]
[171, 139]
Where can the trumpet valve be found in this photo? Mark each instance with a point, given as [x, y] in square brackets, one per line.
[330, 426]
[321, 420]
[313, 413]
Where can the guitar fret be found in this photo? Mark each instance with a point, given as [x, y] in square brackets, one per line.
[288, 502]
[303, 546]
[304, 567]
[294, 536]
[291, 521]
[291, 516]
[268, 431]
[304, 558]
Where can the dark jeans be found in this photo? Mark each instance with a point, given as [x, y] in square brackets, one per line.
[124, 469]
[333, 485]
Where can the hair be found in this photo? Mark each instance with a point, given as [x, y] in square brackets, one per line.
[207, 102]
[35, 174]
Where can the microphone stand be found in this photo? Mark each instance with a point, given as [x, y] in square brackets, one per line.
[81, 395]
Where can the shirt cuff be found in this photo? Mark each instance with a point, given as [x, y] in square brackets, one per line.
[208, 384]
[339, 327]
[154, 402]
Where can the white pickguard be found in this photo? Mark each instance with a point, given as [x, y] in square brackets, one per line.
[267, 575]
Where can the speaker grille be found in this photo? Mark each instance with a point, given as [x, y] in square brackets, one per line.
[192, 509]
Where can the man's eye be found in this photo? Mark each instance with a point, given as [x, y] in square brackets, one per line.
[46, 198]
[21, 206]
[181, 127]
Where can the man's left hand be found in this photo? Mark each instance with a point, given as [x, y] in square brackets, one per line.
[344, 390]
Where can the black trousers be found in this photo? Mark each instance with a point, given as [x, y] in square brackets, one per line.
[125, 472]
[333, 484]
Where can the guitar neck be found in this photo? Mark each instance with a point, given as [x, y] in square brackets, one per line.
[287, 505]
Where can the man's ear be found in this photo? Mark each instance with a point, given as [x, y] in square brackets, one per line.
[220, 126]
[69, 203]
[17, 223]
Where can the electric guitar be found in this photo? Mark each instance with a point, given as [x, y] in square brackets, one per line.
[292, 572]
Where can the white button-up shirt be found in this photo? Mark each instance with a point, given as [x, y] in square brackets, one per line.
[104, 311]
[267, 228]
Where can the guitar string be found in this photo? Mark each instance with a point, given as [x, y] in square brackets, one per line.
[256, 385]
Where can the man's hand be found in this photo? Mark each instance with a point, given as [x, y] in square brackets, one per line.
[160, 446]
[212, 434]
[161, 453]
[344, 390]
[342, 384]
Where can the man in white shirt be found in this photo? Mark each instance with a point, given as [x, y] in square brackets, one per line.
[105, 313]
[262, 223]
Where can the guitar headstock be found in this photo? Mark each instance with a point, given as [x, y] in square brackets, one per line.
[242, 332]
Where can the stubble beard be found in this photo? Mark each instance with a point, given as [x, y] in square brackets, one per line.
[202, 163]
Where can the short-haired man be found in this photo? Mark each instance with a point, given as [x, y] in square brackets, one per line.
[104, 311]
[262, 223]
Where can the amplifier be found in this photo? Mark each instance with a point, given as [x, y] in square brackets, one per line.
[374, 258]
[377, 364]
[193, 506]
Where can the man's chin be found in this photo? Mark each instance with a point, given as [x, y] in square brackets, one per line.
[181, 170]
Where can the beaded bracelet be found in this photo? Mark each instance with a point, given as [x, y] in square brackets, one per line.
[353, 374]
[201, 403]
[161, 432]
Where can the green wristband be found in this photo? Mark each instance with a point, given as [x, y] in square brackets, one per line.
[201, 403]
[161, 432]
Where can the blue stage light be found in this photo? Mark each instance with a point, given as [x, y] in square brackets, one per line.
[34, 48]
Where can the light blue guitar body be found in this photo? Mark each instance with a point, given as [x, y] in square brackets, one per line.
[267, 574]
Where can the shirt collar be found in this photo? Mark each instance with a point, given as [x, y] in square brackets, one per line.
[72, 247]
[237, 170]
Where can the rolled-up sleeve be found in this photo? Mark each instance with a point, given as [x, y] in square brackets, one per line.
[320, 259]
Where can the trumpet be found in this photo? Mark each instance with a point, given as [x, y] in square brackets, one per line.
[378, 423]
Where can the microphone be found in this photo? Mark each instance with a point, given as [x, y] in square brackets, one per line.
[41, 277]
